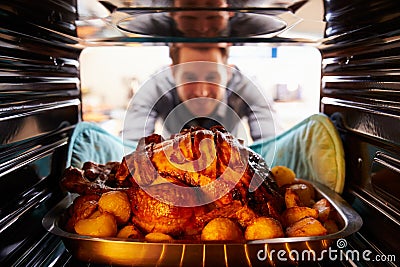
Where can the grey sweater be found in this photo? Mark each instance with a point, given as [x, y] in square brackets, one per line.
[157, 99]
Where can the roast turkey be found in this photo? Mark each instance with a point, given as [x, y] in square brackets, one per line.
[176, 186]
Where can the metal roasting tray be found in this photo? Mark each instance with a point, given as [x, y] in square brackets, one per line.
[269, 252]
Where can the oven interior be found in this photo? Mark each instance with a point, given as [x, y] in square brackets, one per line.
[41, 102]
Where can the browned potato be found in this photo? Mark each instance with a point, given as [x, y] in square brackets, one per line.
[82, 207]
[331, 226]
[221, 229]
[305, 193]
[324, 209]
[116, 203]
[283, 175]
[97, 225]
[129, 231]
[306, 227]
[263, 228]
[291, 198]
[158, 237]
[294, 214]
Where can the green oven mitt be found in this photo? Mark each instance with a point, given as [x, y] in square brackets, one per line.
[312, 149]
[90, 142]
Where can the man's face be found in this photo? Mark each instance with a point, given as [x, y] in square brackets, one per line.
[201, 23]
[201, 79]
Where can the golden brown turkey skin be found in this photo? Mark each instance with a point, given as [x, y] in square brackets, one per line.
[190, 157]
[153, 215]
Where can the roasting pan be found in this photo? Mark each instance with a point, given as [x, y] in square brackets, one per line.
[269, 252]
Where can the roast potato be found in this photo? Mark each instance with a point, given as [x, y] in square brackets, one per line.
[116, 203]
[305, 192]
[82, 207]
[308, 226]
[294, 214]
[263, 228]
[221, 229]
[158, 237]
[129, 231]
[324, 209]
[283, 175]
[291, 198]
[97, 225]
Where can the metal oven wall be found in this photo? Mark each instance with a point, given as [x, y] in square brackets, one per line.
[39, 105]
[361, 91]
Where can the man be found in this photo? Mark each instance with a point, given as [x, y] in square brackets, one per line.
[199, 89]
[203, 23]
